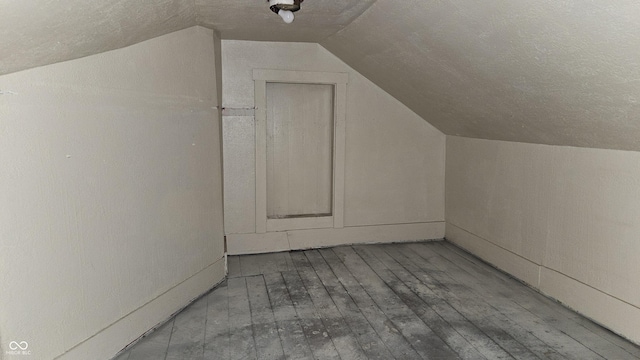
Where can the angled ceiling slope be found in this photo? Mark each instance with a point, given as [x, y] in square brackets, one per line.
[252, 20]
[553, 72]
[42, 32]
[549, 72]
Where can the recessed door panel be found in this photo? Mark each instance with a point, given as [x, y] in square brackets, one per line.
[300, 128]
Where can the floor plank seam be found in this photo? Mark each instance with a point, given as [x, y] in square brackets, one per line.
[418, 300]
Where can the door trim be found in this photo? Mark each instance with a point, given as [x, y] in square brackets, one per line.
[339, 80]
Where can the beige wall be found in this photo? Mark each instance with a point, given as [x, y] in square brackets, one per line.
[110, 186]
[394, 162]
[563, 219]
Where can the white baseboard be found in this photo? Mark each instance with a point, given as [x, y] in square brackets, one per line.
[503, 259]
[314, 238]
[238, 244]
[610, 312]
[109, 341]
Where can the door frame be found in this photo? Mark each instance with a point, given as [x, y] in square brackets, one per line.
[339, 80]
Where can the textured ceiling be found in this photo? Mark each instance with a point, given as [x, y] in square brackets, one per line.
[252, 19]
[40, 32]
[563, 72]
[548, 71]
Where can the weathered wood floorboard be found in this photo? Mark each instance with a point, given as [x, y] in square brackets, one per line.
[242, 344]
[265, 330]
[372, 345]
[313, 328]
[424, 288]
[582, 329]
[294, 343]
[399, 347]
[485, 314]
[422, 308]
[428, 300]
[473, 308]
[584, 344]
[216, 342]
[343, 338]
[417, 332]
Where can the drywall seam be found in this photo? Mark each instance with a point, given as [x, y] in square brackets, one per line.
[539, 274]
[444, 179]
[217, 64]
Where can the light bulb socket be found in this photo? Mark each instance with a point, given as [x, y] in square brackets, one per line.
[289, 5]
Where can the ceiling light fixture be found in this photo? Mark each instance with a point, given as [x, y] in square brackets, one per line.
[285, 8]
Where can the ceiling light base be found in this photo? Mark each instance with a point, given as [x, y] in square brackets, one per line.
[286, 5]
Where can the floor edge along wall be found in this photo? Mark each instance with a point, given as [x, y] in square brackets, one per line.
[620, 317]
[313, 238]
[129, 328]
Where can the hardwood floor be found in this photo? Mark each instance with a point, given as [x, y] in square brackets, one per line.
[400, 301]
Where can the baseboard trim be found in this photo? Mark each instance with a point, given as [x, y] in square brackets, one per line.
[315, 238]
[614, 314]
[109, 341]
[604, 309]
[505, 260]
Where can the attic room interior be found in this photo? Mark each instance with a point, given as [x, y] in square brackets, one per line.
[195, 179]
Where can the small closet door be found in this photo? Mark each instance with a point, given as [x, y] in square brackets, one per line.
[299, 168]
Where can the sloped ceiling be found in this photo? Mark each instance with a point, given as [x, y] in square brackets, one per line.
[564, 72]
[549, 71]
[41, 32]
[252, 19]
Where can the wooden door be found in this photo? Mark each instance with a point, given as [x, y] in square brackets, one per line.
[300, 128]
